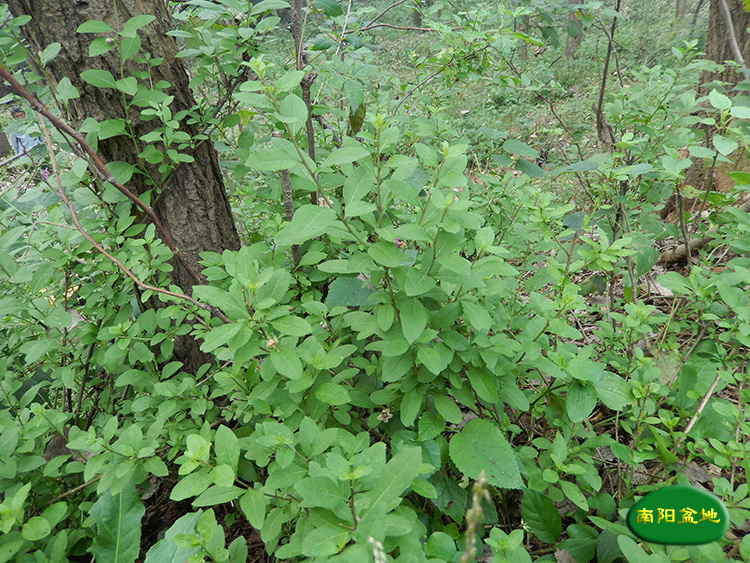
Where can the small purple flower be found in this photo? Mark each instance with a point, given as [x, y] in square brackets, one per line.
[45, 172]
[399, 243]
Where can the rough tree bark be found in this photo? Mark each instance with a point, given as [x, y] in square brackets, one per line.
[723, 45]
[192, 203]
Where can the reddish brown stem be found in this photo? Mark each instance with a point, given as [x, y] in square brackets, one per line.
[98, 164]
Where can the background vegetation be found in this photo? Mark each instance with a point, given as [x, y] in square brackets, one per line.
[491, 289]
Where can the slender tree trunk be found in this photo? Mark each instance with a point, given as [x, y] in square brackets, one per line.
[416, 14]
[191, 203]
[523, 48]
[680, 8]
[575, 32]
[725, 43]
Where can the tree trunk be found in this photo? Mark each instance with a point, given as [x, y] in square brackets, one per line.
[416, 14]
[680, 8]
[191, 203]
[575, 32]
[723, 45]
[523, 48]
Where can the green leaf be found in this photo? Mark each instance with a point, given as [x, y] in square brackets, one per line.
[287, 362]
[447, 408]
[322, 492]
[440, 545]
[99, 78]
[394, 479]
[66, 91]
[94, 26]
[631, 551]
[227, 447]
[345, 155]
[719, 100]
[332, 394]
[220, 335]
[612, 390]
[480, 446]
[101, 45]
[410, 405]
[118, 523]
[348, 292]
[127, 86]
[292, 111]
[292, 326]
[266, 5]
[483, 384]
[49, 53]
[418, 282]
[413, 317]
[289, 81]
[217, 494]
[121, 171]
[137, 22]
[253, 504]
[607, 549]
[529, 168]
[35, 528]
[232, 307]
[129, 47]
[451, 499]
[740, 112]
[431, 359]
[321, 44]
[580, 401]
[166, 550]
[309, 221]
[111, 128]
[323, 542]
[514, 146]
[430, 426]
[386, 254]
[574, 493]
[723, 145]
[476, 316]
[272, 160]
[541, 516]
[330, 8]
[192, 485]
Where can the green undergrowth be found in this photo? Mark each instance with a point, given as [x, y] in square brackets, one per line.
[460, 366]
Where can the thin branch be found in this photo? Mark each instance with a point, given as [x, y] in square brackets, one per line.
[74, 490]
[699, 410]
[610, 47]
[736, 51]
[381, 14]
[434, 74]
[368, 27]
[101, 250]
[99, 165]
